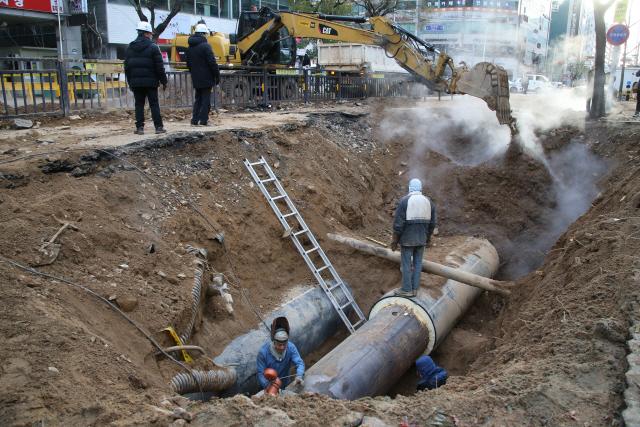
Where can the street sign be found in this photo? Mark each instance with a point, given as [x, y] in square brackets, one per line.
[618, 34]
[621, 11]
[434, 28]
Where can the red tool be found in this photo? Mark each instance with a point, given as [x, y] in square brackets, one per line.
[274, 382]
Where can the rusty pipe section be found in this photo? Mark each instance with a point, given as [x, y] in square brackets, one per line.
[399, 331]
[427, 266]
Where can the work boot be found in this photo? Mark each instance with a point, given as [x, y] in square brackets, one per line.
[399, 292]
[636, 115]
[194, 125]
[415, 292]
[161, 130]
[139, 131]
[206, 124]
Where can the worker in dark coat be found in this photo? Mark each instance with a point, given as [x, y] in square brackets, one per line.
[414, 223]
[144, 70]
[204, 74]
[432, 375]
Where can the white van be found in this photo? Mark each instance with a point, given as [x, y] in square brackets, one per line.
[538, 82]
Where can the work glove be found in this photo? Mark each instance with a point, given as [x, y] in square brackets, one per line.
[394, 242]
[299, 380]
[164, 86]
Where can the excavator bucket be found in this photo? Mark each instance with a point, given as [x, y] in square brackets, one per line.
[490, 83]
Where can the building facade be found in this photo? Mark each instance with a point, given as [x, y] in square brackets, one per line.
[513, 34]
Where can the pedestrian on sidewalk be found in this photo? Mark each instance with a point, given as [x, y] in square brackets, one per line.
[414, 223]
[205, 73]
[144, 70]
[637, 98]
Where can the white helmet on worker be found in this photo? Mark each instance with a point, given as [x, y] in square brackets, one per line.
[144, 27]
[201, 28]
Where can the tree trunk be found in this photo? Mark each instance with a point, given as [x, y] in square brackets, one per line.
[597, 100]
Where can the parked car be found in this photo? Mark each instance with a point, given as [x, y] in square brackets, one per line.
[558, 85]
[538, 83]
[515, 86]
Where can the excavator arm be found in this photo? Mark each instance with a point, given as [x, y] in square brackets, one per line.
[486, 81]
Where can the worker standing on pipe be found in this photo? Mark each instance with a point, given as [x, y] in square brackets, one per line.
[278, 354]
[432, 376]
[413, 226]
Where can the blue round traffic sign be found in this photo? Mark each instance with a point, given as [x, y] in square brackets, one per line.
[618, 34]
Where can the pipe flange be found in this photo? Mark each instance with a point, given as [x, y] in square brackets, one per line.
[421, 314]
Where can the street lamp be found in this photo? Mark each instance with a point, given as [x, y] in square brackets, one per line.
[486, 27]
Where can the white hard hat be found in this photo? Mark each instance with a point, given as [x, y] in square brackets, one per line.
[201, 28]
[144, 26]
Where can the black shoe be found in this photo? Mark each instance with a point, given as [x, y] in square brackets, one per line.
[161, 130]
[139, 131]
[206, 124]
[194, 125]
[636, 115]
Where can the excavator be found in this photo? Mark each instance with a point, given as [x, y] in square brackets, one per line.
[266, 38]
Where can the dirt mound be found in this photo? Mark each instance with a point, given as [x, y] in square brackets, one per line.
[553, 347]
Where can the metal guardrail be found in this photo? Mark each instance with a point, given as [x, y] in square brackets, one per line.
[54, 87]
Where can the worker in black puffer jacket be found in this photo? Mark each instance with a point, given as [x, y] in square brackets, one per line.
[144, 70]
[204, 74]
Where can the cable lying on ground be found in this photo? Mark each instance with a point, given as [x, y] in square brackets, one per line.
[173, 192]
[194, 380]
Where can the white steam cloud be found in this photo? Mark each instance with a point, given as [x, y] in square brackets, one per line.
[466, 132]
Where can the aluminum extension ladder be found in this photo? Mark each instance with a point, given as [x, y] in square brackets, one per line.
[328, 288]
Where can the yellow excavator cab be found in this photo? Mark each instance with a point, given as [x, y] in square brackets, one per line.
[219, 43]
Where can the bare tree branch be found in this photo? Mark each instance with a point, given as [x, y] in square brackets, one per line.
[378, 7]
[151, 5]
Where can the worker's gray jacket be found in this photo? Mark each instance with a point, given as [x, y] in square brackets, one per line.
[415, 219]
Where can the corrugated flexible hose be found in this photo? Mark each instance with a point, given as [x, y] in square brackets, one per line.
[196, 291]
[220, 378]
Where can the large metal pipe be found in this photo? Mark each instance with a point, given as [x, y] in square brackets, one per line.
[312, 320]
[399, 330]
[427, 266]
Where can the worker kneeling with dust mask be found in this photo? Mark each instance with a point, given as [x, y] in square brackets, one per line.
[277, 355]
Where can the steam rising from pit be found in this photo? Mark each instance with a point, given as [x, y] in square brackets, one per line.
[467, 133]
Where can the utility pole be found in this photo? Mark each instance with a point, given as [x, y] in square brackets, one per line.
[624, 62]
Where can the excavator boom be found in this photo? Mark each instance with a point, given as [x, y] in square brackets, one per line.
[486, 81]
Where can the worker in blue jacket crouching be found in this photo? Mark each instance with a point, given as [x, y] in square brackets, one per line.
[278, 354]
[432, 375]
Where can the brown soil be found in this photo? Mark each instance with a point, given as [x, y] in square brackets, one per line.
[556, 345]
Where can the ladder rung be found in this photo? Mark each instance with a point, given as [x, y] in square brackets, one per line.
[300, 232]
[289, 214]
[267, 180]
[277, 197]
[337, 285]
[311, 250]
[320, 269]
[256, 163]
[346, 305]
[357, 323]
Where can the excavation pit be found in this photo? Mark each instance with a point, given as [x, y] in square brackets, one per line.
[572, 266]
